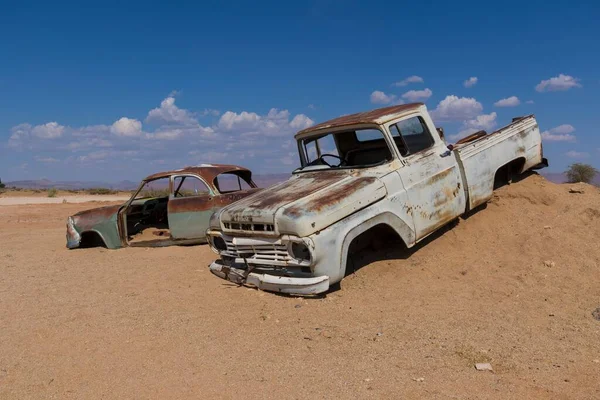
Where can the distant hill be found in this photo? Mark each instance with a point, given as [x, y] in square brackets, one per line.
[261, 180]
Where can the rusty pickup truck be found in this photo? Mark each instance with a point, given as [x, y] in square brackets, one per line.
[387, 169]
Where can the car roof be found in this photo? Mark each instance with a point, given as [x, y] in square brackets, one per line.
[208, 172]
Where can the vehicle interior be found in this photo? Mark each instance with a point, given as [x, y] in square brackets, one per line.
[146, 216]
[364, 147]
[346, 149]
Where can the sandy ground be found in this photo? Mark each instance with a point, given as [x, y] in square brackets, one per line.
[514, 285]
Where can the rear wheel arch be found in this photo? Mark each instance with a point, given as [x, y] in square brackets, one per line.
[508, 171]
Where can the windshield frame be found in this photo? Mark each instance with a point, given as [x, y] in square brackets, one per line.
[347, 128]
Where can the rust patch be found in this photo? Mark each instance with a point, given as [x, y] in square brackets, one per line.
[206, 202]
[284, 193]
[207, 172]
[89, 218]
[368, 117]
[438, 177]
[331, 198]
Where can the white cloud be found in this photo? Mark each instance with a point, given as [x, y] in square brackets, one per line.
[169, 113]
[230, 120]
[417, 95]
[95, 156]
[379, 97]
[511, 101]
[561, 133]
[409, 80]
[211, 112]
[312, 107]
[558, 83]
[486, 122]
[301, 121]
[51, 130]
[529, 102]
[234, 136]
[472, 81]
[275, 123]
[47, 160]
[126, 127]
[577, 154]
[454, 108]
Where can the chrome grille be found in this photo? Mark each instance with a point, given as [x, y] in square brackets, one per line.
[258, 252]
[248, 226]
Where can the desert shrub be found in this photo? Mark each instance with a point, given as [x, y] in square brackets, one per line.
[579, 172]
[52, 192]
[101, 191]
[2, 185]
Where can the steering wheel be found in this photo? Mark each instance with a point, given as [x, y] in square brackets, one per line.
[342, 161]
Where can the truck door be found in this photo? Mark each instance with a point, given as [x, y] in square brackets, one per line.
[430, 174]
[190, 206]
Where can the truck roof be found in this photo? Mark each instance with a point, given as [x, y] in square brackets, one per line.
[377, 116]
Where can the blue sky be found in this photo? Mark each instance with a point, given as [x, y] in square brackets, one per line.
[118, 90]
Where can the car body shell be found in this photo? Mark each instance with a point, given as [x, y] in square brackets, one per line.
[187, 216]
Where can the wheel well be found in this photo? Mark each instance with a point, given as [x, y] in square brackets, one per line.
[376, 238]
[506, 173]
[91, 239]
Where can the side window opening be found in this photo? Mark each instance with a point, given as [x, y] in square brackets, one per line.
[411, 136]
[231, 182]
[189, 186]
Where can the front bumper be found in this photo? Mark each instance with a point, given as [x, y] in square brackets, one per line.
[271, 283]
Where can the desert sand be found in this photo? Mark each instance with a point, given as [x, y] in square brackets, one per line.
[513, 285]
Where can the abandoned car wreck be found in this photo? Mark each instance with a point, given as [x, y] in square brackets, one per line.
[387, 168]
[168, 208]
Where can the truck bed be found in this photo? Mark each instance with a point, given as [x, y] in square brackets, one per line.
[518, 143]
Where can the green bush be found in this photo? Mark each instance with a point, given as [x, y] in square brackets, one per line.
[579, 172]
[52, 192]
[101, 191]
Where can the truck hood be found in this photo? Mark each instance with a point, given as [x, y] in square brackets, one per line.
[304, 204]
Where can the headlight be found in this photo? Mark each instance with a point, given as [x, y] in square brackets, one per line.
[300, 251]
[219, 243]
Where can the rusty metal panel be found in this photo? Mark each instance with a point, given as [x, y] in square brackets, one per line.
[102, 220]
[208, 172]
[261, 207]
[189, 216]
[377, 116]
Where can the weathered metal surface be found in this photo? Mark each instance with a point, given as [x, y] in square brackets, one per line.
[329, 208]
[272, 283]
[261, 207]
[188, 217]
[102, 221]
[377, 116]
[207, 172]
[482, 158]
